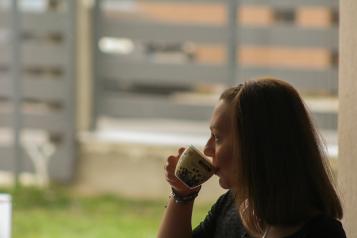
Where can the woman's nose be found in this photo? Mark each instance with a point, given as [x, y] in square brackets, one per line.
[209, 150]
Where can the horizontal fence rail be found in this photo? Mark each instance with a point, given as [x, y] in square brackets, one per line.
[50, 121]
[46, 55]
[279, 35]
[270, 3]
[161, 31]
[35, 87]
[43, 22]
[304, 79]
[168, 108]
[154, 73]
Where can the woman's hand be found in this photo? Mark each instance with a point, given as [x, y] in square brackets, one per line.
[175, 183]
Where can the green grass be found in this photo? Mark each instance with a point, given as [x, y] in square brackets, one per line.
[55, 213]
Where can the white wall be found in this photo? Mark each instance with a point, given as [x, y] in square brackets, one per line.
[347, 125]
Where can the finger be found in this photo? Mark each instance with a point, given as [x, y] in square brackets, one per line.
[171, 181]
[171, 162]
[170, 171]
[180, 151]
[174, 181]
[172, 159]
[171, 177]
[177, 184]
[170, 174]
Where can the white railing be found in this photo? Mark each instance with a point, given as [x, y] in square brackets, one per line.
[5, 216]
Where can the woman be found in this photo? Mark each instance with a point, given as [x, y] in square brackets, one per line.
[268, 154]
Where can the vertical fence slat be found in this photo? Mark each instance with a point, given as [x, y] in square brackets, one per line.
[17, 90]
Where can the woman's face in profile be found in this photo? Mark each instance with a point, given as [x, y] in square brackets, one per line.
[220, 144]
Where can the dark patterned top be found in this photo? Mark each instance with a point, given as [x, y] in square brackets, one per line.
[320, 226]
[221, 221]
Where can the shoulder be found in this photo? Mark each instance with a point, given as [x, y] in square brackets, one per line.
[222, 207]
[225, 201]
[214, 223]
[324, 226]
[226, 197]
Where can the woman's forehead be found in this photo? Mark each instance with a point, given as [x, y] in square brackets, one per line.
[221, 116]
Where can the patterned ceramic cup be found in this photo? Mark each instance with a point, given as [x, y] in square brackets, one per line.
[193, 168]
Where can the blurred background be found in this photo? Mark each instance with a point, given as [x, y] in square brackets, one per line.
[94, 95]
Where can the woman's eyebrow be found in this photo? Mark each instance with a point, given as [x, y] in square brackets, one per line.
[215, 128]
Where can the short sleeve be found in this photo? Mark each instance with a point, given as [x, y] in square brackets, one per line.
[206, 228]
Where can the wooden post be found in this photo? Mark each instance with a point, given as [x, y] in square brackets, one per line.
[347, 125]
[84, 72]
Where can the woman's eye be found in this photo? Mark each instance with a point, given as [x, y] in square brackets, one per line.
[216, 138]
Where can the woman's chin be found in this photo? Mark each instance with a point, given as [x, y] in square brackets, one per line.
[224, 184]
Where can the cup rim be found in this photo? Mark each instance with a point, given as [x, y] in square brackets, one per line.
[201, 154]
[197, 150]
